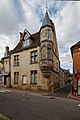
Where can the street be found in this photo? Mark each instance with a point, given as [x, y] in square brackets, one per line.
[24, 105]
[63, 92]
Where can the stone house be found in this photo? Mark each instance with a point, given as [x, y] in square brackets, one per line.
[63, 77]
[6, 60]
[1, 72]
[34, 62]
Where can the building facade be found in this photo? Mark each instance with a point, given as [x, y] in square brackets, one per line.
[6, 60]
[34, 62]
[63, 77]
[75, 50]
[1, 72]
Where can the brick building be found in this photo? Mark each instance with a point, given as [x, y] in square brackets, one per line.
[34, 62]
[75, 50]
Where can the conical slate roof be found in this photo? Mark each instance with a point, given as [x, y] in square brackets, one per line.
[46, 20]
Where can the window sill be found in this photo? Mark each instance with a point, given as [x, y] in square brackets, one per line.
[34, 84]
[24, 84]
[16, 65]
[34, 63]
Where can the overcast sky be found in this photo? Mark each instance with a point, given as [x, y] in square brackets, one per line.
[16, 15]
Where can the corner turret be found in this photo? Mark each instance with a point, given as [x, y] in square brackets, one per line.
[46, 46]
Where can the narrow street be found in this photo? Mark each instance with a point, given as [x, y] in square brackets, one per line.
[63, 92]
[24, 105]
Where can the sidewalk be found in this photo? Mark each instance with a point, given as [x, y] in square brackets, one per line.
[73, 97]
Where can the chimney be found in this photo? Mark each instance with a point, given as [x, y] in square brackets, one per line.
[6, 51]
[21, 36]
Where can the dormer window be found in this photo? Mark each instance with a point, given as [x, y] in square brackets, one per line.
[25, 38]
[26, 42]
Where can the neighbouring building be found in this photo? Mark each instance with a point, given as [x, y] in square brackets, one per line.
[75, 51]
[34, 62]
[63, 77]
[70, 78]
[1, 71]
[6, 60]
[1, 67]
[67, 76]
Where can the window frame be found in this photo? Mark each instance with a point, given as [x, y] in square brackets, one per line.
[26, 42]
[24, 83]
[16, 60]
[34, 57]
[49, 34]
[49, 53]
[34, 77]
[16, 77]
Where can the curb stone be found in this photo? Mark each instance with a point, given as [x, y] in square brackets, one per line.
[73, 97]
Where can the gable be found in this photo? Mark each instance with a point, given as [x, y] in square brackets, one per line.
[35, 41]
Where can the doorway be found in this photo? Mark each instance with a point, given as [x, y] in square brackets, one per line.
[4, 80]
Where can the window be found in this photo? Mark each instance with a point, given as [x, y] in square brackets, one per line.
[49, 35]
[34, 57]
[26, 42]
[16, 60]
[6, 62]
[16, 77]
[49, 52]
[56, 66]
[24, 79]
[55, 50]
[34, 77]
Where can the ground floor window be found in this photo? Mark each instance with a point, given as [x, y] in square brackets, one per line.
[16, 77]
[24, 79]
[34, 77]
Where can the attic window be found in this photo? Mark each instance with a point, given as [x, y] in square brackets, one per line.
[26, 42]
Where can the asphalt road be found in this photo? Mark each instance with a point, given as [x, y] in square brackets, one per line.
[63, 92]
[22, 105]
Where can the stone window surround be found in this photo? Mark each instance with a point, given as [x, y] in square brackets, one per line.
[16, 77]
[34, 77]
[16, 60]
[34, 57]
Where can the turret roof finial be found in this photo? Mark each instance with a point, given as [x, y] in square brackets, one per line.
[46, 7]
[46, 20]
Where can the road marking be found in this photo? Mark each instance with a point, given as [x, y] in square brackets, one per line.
[3, 117]
[3, 91]
[23, 99]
